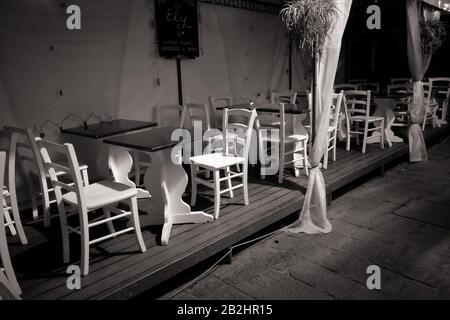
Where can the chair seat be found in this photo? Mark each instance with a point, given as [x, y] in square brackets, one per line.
[288, 138]
[369, 119]
[216, 161]
[101, 194]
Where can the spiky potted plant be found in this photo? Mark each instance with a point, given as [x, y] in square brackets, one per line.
[309, 23]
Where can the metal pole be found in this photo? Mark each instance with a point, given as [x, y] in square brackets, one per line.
[180, 83]
[314, 97]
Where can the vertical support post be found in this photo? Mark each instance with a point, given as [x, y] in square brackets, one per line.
[290, 63]
[180, 83]
[314, 96]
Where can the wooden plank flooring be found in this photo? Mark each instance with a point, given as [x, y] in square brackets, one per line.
[118, 270]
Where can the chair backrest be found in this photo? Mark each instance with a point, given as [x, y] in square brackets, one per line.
[169, 115]
[286, 96]
[357, 81]
[25, 141]
[216, 102]
[345, 87]
[440, 81]
[195, 112]
[336, 104]
[400, 80]
[374, 87]
[62, 159]
[402, 88]
[427, 92]
[242, 131]
[2, 181]
[358, 102]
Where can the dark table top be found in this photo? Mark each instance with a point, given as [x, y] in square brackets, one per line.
[391, 96]
[109, 128]
[267, 107]
[152, 140]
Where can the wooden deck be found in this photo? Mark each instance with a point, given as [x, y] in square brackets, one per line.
[119, 271]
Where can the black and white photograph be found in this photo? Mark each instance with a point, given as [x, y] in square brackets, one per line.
[224, 158]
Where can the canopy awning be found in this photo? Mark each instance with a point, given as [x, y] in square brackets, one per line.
[441, 4]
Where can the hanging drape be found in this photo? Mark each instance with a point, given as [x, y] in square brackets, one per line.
[313, 218]
[418, 64]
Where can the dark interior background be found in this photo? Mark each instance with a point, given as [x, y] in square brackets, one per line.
[379, 55]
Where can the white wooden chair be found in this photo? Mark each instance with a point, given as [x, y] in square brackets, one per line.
[357, 81]
[196, 112]
[400, 80]
[400, 88]
[104, 195]
[345, 87]
[431, 106]
[443, 107]
[287, 96]
[9, 191]
[28, 153]
[7, 275]
[286, 143]
[335, 123]
[358, 106]
[443, 83]
[401, 109]
[223, 161]
[374, 87]
[214, 104]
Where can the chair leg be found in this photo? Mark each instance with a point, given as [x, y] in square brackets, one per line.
[109, 224]
[64, 232]
[45, 201]
[137, 225]
[305, 157]
[84, 250]
[6, 260]
[137, 170]
[348, 141]
[357, 135]
[16, 215]
[230, 185]
[216, 193]
[334, 146]
[366, 128]
[245, 183]
[382, 134]
[325, 156]
[281, 161]
[10, 223]
[193, 184]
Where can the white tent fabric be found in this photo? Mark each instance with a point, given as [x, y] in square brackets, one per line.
[441, 4]
[418, 64]
[313, 218]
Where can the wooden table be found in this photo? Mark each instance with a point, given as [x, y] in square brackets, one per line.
[90, 148]
[165, 179]
[385, 105]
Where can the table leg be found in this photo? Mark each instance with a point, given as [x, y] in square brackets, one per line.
[166, 180]
[120, 163]
[384, 109]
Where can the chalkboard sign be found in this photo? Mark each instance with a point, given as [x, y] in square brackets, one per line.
[177, 28]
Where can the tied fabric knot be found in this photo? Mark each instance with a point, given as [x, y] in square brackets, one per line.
[313, 219]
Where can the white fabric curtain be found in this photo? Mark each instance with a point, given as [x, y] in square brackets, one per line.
[313, 218]
[418, 64]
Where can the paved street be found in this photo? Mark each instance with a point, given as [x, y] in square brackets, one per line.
[399, 222]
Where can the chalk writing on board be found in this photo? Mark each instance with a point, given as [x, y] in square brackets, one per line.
[177, 28]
